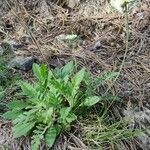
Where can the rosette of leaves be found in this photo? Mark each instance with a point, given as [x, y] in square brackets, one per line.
[51, 103]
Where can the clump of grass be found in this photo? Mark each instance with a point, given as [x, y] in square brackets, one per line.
[99, 132]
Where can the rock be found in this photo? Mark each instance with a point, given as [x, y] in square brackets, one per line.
[44, 10]
[26, 40]
[22, 63]
[145, 141]
[17, 46]
[140, 119]
[95, 47]
[8, 47]
[140, 15]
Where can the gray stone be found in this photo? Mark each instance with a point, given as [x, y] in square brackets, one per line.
[15, 45]
[140, 119]
[22, 63]
[8, 47]
[96, 46]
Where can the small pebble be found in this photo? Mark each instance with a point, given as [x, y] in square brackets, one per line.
[95, 47]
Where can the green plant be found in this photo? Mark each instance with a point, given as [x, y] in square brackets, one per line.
[99, 132]
[3, 72]
[51, 103]
[123, 7]
[6, 78]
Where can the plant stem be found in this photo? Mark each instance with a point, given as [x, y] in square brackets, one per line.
[126, 44]
[127, 37]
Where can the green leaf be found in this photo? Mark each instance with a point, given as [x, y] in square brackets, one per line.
[50, 136]
[12, 115]
[87, 78]
[71, 117]
[79, 77]
[67, 69]
[53, 99]
[50, 75]
[70, 37]
[90, 101]
[64, 112]
[22, 129]
[36, 71]
[77, 80]
[47, 115]
[36, 140]
[57, 72]
[44, 72]
[2, 93]
[88, 81]
[41, 72]
[17, 105]
[28, 89]
[66, 79]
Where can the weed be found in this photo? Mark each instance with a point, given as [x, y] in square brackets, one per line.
[6, 80]
[4, 75]
[52, 103]
[101, 133]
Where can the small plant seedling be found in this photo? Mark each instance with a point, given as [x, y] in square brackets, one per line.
[51, 103]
